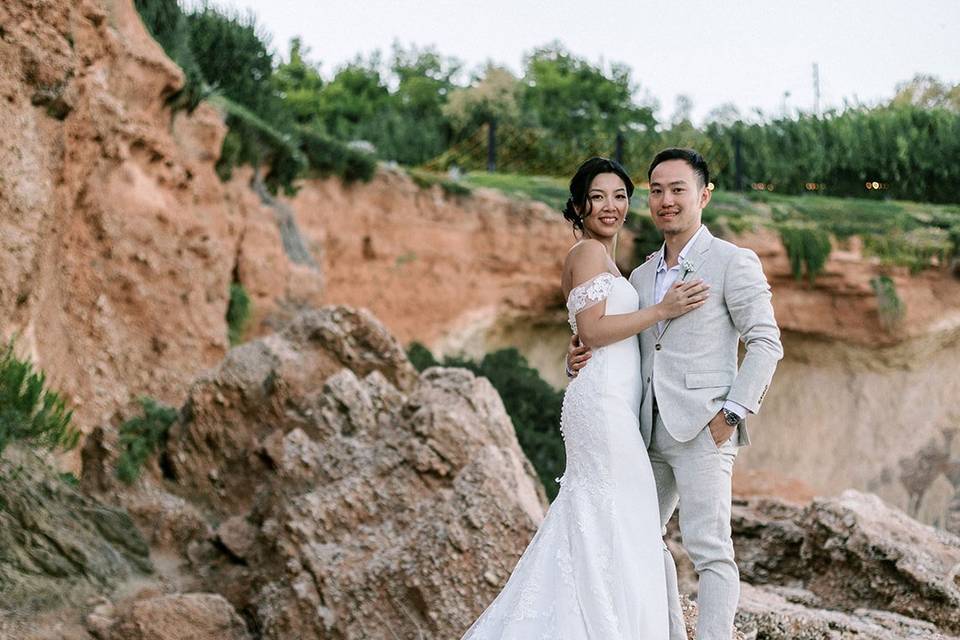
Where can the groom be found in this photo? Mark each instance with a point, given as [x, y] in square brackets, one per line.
[695, 398]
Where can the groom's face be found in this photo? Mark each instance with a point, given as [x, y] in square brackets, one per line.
[676, 197]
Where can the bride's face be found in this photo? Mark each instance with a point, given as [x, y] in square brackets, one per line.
[608, 203]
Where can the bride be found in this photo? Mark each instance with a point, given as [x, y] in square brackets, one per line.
[595, 570]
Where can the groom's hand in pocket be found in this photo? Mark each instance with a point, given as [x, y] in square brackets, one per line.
[720, 430]
[577, 356]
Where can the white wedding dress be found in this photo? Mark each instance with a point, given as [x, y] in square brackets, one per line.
[595, 568]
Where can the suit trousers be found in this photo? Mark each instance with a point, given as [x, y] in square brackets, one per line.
[696, 476]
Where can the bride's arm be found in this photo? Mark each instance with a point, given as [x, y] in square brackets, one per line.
[597, 329]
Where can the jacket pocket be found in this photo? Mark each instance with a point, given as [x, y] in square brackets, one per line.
[704, 379]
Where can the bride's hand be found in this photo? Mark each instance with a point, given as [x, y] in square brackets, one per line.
[684, 297]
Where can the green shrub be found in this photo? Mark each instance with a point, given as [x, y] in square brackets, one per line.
[420, 357]
[532, 404]
[254, 141]
[327, 156]
[914, 249]
[807, 247]
[29, 411]
[889, 305]
[238, 313]
[69, 479]
[141, 436]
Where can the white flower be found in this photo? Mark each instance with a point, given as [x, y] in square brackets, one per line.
[687, 267]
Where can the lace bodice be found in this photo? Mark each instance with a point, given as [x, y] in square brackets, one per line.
[590, 293]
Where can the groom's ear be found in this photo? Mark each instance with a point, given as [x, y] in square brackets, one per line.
[705, 195]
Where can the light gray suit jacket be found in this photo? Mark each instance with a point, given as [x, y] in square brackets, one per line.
[691, 367]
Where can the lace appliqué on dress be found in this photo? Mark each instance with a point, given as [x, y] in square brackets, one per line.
[588, 294]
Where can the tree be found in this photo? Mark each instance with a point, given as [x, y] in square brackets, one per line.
[232, 52]
[576, 100]
[928, 92]
[682, 111]
[298, 83]
[495, 95]
[355, 96]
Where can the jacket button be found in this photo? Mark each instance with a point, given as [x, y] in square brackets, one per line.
[657, 347]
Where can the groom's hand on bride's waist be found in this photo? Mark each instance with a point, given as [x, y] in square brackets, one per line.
[577, 356]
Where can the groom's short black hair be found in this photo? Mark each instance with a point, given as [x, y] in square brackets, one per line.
[691, 157]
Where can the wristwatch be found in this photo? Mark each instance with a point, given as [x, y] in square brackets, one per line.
[731, 418]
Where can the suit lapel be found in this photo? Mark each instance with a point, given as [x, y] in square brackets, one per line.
[695, 257]
[648, 279]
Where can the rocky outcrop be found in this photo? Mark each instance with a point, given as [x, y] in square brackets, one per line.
[775, 613]
[853, 552]
[59, 547]
[339, 493]
[840, 567]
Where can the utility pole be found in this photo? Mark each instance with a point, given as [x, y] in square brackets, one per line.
[816, 89]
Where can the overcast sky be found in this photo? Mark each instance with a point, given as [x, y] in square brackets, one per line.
[748, 52]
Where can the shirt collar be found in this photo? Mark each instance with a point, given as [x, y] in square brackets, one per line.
[662, 265]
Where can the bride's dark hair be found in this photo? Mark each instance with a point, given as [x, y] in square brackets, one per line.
[580, 185]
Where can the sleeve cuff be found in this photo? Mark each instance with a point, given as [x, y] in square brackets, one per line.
[735, 407]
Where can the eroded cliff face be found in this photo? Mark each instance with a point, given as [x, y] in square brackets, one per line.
[118, 242]
[854, 404]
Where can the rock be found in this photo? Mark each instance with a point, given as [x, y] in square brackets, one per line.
[352, 494]
[852, 552]
[771, 614]
[57, 546]
[237, 535]
[190, 616]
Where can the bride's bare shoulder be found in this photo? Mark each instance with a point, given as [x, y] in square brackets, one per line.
[587, 250]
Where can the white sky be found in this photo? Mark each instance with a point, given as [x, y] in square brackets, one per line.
[748, 52]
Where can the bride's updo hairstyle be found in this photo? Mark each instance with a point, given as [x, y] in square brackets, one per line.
[580, 185]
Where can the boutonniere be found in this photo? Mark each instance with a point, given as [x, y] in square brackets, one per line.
[686, 268]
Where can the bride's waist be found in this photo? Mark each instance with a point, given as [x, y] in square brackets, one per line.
[609, 372]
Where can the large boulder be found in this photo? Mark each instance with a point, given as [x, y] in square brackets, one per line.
[852, 553]
[182, 616]
[345, 495]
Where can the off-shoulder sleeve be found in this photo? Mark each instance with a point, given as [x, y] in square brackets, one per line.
[590, 293]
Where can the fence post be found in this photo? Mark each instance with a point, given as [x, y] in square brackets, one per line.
[738, 159]
[492, 146]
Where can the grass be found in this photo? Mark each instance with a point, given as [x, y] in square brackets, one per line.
[427, 179]
[550, 190]
[911, 234]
